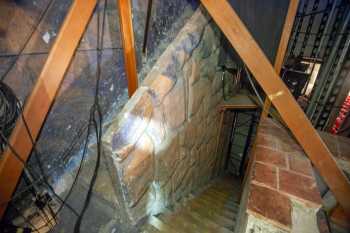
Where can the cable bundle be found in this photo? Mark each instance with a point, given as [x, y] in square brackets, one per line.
[9, 112]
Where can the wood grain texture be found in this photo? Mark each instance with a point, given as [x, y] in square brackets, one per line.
[127, 35]
[278, 93]
[42, 96]
[282, 48]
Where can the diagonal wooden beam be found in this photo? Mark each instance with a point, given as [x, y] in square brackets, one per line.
[42, 96]
[282, 48]
[127, 35]
[245, 45]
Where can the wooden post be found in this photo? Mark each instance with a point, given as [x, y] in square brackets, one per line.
[245, 45]
[42, 96]
[282, 48]
[127, 35]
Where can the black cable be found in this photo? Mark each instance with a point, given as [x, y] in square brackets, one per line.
[97, 123]
[28, 39]
[36, 155]
[25, 166]
[64, 154]
[9, 112]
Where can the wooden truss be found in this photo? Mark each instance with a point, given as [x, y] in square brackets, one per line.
[47, 86]
[294, 117]
[61, 54]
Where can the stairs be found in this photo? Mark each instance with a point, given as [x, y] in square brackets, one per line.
[213, 211]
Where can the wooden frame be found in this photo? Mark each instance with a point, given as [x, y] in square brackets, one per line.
[282, 48]
[42, 96]
[294, 117]
[127, 35]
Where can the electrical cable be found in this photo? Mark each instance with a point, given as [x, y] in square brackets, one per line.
[94, 120]
[9, 112]
[14, 152]
[64, 154]
[253, 86]
[96, 109]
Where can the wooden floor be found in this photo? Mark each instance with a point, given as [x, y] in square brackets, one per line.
[213, 210]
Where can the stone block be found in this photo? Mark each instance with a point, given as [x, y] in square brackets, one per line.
[163, 196]
[143, 207]
[123, 133]
[194, 76]
[159, 85]
[137, 171]
[174, 106]
[208, 66]
[167, 160]
[217, 83]
[191, 132]
[194, 156]
[180, 179]
[156, 128]
[196, 95]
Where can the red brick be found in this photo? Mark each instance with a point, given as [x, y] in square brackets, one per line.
[300, 165]
[299, 186]
[338, 216]
[270, 156]
[265, 140]
[270, 204]
[265, 174]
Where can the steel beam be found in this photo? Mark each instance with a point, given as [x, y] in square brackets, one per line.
[127, 35]
[245, 45]
[282, 48]
[42, 96]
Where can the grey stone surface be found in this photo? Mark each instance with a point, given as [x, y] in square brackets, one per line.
[173, 109]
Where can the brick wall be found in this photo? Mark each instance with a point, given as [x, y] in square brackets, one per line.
[280, 194]
[162, 145]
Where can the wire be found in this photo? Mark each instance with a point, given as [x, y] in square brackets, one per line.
[96, 109]
[253, 86]
[64, 154]
[27, 40]
[95, 120]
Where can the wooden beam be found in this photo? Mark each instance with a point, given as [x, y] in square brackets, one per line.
[127, 35]
[245, 45]
[282, 48]
[42, 96]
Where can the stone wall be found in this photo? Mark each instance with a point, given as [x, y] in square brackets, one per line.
[162, 145]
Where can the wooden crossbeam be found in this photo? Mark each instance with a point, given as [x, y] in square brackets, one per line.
[282, 48]
[127, 35]
[245, 45]
[42, 96]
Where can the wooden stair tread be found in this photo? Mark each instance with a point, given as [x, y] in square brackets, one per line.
[178, 225]
[159, 225]
[218, 208]
[150, 229]
[193, 225]
[210, 213]
[214, 198]
[209, 223]
[231, 205]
